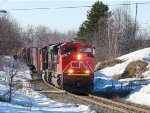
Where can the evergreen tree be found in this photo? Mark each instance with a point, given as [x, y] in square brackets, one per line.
[88, 27]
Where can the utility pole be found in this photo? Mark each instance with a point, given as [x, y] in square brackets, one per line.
[135, 20]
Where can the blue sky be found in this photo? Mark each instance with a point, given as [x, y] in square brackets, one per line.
[63, 19]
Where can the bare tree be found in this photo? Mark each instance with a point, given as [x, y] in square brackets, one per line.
[9, 35]
[28, 36]
[42, 35]
[112, 39]
[115, 35]
[125, 30]
[37, 36]
[100, 40]
[12, 67]
[143, 39]
[69, 36]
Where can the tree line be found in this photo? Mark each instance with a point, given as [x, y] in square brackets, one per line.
[13, 37]
[113, 33]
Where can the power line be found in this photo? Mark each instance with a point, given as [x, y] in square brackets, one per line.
[31, 9]
[71, 7]
[42, 8]
[131, 3]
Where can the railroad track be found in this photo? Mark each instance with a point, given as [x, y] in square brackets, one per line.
[103, 102]
[124, 107]
[113, 105]
[46, 88]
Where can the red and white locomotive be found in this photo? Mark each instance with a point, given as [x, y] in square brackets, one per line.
[69, 66]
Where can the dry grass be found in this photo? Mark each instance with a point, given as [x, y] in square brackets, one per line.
[108, 63]
[131, 68]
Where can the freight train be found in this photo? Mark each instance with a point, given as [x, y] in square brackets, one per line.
[69, 66]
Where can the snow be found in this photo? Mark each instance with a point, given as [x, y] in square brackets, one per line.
[34, 102]
[40, 104]
[140, 94]
[27, 100]
[143, 54]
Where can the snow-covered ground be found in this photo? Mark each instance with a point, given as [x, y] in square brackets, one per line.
[29, 101]
[37, 103]
[143, 54]
[140, 94]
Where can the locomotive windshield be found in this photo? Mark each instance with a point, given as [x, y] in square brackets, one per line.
[86, 50]
[69, 49]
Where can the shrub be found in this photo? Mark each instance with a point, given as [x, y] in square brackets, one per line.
[131, 68]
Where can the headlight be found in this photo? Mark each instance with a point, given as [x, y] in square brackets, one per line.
[87, 71]
[70, 71]
[79, 56]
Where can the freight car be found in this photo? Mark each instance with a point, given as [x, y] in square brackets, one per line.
[69, 66]
[32, 57]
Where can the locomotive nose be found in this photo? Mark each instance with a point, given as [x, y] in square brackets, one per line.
[78, 84]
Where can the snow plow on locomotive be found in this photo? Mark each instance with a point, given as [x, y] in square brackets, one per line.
[69, 66]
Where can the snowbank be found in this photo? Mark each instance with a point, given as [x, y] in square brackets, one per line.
[103, 78]
[140, 95]
[143, 54]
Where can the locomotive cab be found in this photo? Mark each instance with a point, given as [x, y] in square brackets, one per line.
[76, 62]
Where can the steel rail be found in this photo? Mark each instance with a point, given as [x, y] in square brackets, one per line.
[100, 104]
[121, 104]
